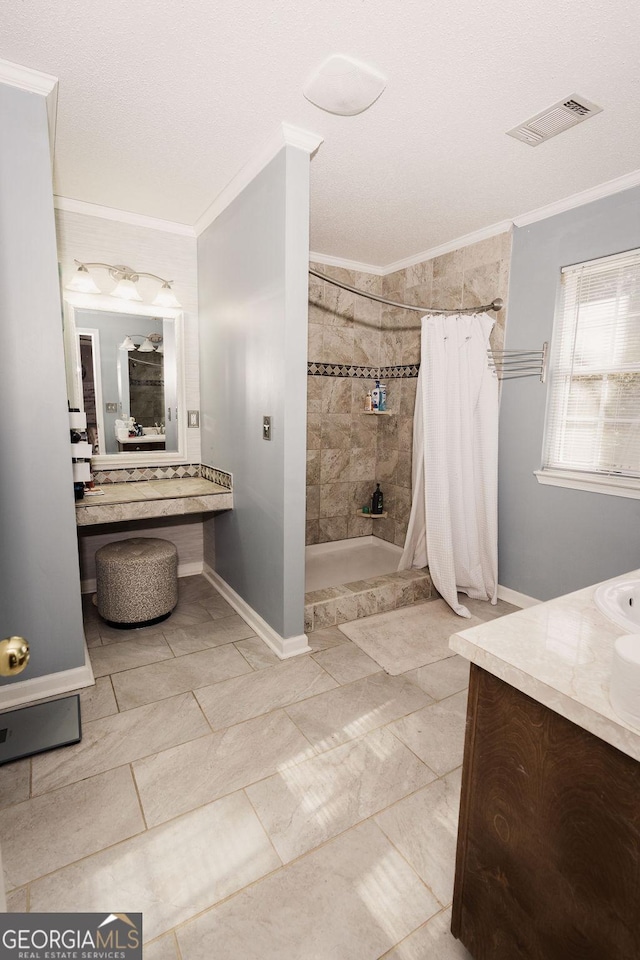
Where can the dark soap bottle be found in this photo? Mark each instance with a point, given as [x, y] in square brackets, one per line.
[377, 500]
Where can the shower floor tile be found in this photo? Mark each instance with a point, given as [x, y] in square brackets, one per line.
[348, 775]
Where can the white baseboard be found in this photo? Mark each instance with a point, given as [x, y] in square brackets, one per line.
[281, 646]
[517, 599]
[51, 685]
[184, 570]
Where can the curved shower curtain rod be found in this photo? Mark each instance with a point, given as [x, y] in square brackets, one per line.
[496, 304]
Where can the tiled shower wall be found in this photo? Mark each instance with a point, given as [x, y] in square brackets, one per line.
[347, 452]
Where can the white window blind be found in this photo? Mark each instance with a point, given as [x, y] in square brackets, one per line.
[593, 414]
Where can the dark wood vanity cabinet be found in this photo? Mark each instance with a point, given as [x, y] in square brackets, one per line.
[548, 858]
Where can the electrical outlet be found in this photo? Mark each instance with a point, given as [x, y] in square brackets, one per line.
[111, 407]
[193, 418]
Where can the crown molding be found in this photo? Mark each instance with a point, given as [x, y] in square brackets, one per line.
[121, 216]
[492, 231]
[34, 81]
[329, 261]
[606, 189]
[285, 136]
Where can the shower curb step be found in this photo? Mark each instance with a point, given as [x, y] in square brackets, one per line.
[335, 605]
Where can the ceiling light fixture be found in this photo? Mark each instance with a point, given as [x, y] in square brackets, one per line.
[344, 86]
[125, 289]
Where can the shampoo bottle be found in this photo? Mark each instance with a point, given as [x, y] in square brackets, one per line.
[377, 500]
[375, 396]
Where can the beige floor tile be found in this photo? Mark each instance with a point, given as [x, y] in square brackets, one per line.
[242, 698]
[121, 738]
[15, 779]
[186, 615]
[436, 734]
[129, 654]
[325, 638]
[17, 901]
[109, 635]
[433, 941]
[48, 832]
[484, 610]
[424, 828]
[217, 607]
[159, 680]
[97, 701]
[180, 779]
[194, 589]
[168, 874]
[257, 653]
[443, 678]
[166, 948]
[353, 710]
[353, 898]
[305, 805]
[410, 637]
[346, 663]
[213, 633]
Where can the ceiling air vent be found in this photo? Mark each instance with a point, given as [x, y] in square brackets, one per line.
[555, 120]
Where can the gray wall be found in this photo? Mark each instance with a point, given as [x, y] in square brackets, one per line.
[39, 577]
[252, 267]
[553, 540]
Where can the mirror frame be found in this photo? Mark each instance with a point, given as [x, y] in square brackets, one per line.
[72, 302]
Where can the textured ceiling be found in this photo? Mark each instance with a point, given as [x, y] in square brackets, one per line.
[160, 105]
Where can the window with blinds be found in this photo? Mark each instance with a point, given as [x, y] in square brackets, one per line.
[593, 412]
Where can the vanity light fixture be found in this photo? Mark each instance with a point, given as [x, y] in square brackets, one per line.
[151, 343]
[125, 289]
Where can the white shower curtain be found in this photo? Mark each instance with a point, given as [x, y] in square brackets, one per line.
[453, 524]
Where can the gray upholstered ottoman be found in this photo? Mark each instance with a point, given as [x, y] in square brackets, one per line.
[137, 581]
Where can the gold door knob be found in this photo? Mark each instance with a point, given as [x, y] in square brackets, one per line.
[14, 656]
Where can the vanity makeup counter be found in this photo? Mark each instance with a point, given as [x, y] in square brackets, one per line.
[143, 499]
[548, 856]
[560, 654]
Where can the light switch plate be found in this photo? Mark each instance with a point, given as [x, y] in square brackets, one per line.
[266, 428]
[111, 407]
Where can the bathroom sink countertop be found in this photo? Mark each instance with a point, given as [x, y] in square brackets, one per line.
[140, 499]
[560, 654]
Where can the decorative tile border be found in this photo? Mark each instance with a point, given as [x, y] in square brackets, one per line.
[171, 472]
[216, 476]
[336, 605]
[400, 372]
[133, 474]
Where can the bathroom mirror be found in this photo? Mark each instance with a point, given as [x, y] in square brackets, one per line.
[124, 366]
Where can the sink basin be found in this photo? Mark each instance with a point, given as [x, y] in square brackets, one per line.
[619, 600]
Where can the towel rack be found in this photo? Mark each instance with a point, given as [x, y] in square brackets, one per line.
[514, 364]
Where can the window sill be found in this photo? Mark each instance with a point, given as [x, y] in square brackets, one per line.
[613, 486]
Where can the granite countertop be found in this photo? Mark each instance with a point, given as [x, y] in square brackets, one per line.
[140, 499]
[560, 654]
